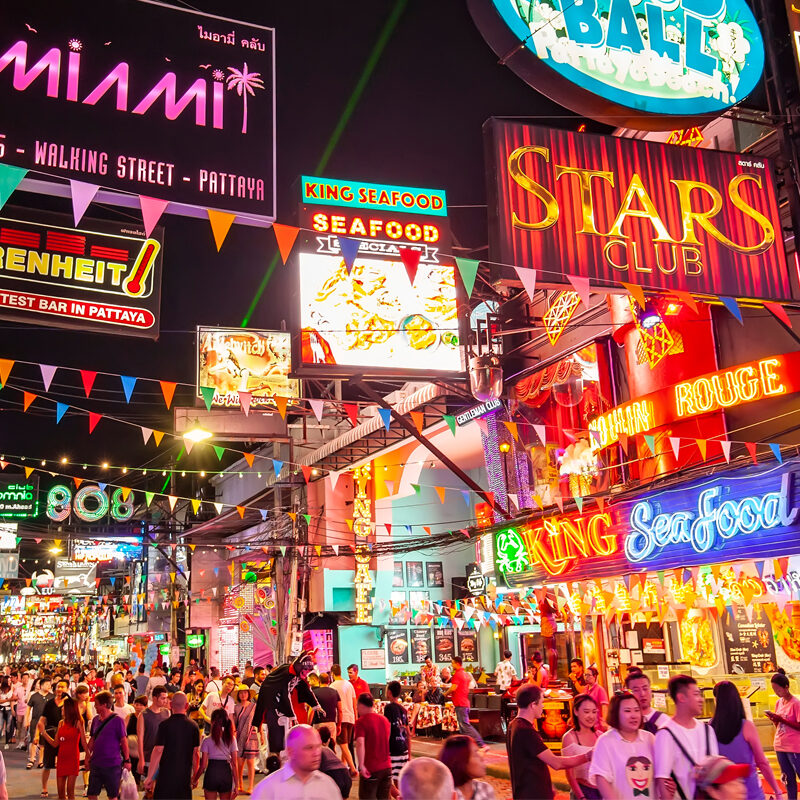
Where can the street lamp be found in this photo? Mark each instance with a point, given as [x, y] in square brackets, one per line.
[197, 433]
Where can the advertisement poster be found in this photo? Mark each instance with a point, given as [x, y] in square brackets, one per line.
[415, 577]
[467, 645]
[103, 277]
[242, 360]
[141, 98]
[421, 645]
[398, 577]
[374, 318]
[435, 574]
[19, 497]
[443, 644]
[397, 645]
[75, 577]
[749, 646]
[666, 216]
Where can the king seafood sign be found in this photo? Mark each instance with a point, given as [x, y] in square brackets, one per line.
[654, 65]
[143, 98]
[614, 209]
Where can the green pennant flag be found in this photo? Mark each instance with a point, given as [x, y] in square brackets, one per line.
[283, 551]
[579, 502]
[10, 178]
[218, 450]
[468, 269]
[148, 496]
[651, 442]
[207, 393]
[416, 487]
[451, 422]
[307, 518]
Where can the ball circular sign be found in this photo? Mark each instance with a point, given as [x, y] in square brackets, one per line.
[653, 65]
[238, 602]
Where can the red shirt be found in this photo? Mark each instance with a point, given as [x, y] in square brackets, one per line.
[374, 729]
[361, 687]
[460, 695]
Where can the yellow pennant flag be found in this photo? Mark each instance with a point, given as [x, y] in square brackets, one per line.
[158, 436]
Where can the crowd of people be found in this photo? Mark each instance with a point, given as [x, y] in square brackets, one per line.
[165, 731]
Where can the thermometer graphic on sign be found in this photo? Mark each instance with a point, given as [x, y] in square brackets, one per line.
[136, 283]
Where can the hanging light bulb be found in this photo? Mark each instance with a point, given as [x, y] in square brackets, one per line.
[124, 470]
[164, 474]
[44, 463]
[63, 459]
[183, 474]
[202, 473]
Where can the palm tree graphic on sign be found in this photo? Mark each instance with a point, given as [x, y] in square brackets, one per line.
[245, 83]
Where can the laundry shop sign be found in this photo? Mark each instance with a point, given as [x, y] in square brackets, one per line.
[638, 63]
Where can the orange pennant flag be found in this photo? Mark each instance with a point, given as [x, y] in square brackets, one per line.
[512, 429]
[418, 417]
[78, 482]
[28, 471]
[281, 403]
[249, 458]
[5, 369]
[27, 399]
[240, 509]
[292, 515]
[221, 222]
[168, 390]
[635, 291]
[285, 236]
[349, 523]
[426, 529]
[686, 298]
[158, 436]
[702, 446]
[125, 491]
[440, 491]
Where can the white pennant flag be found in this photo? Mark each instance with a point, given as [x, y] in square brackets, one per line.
[218, 506]
[335, 549]
[318, 407]
[675, 442]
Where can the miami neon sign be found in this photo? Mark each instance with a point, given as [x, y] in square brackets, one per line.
[715, 521]
[556, 544]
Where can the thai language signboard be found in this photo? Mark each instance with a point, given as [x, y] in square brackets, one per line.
[143, 98]
[614, 209]
[103, 277]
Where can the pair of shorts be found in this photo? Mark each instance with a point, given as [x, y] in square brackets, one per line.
[345, 734]
[107, 778]
[398, 762]
[218, 777]
[50, 753]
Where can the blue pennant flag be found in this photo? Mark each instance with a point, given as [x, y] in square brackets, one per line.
[386, 416]
[127, 386]
[277, 466]
[732, 306]
[61, 409]
[776, 451]
[264, 513]
[349, 248]
[102, 486]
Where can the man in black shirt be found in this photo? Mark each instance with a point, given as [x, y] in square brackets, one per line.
[177, 745]
[36, 704]
[528, 756]
[174, 684]
[328, 698]
[51, 716]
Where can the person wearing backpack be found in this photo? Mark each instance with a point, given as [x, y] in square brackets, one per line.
[683, 742]
[399, 738]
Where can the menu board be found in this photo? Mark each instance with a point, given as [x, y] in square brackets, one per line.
[420, 645]
[749, 646]
[468, 645]
[397, 644]
[443, 644]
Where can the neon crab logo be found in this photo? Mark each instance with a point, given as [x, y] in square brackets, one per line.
[666, 57]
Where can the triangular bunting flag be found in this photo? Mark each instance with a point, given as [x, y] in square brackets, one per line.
[94, 418]
[416, 487]
[82, 196]
[306, 470]
[559, 502]
[125, 492]
[128, 383]
[148, 498]
[27, 399]
[635, 291]
[280, 404]
[410, 259]
[240, 509]
[221, 222]
[451, 422]
[219, 450]
[468, 269]
[650, 441]
[158, 436]
[87, 378]
[217, 507]
[427, 529]
[172, 500]
[751, 448]
[777, 310]
[152, 209]
[48, 373]
[418, 418]
[188, 444]
[78, 482]
[541, 433]
[686, 298]
[10, 178]
[675, 444]
[285, 236]
[351, 409]
[349, 248]
[512, 429]
[349, 523]
[776, 451]
[581, 287]
[28, 471]
[386, 417]
[732, 306]
[318, 407]
[702, 446]
[207, 393]
[333, 477]
[528, 280]
[245, 399]
[440, 490]
[146, 434]
[579, 503]
[726, 450]
[277, 466]
[249, 458]
[168, 390]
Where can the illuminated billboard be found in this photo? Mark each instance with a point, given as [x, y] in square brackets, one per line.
[103, 277]
[614, 209]
[374, 318]
[19, 497]
[98, 551]
[649, 65]
[141, 98]
[233, 360]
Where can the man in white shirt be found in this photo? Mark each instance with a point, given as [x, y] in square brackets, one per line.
[121, 707]
[638, 684]
[683, 742]
[223, 699]
[344, 732]
[505, 672]
[300, 778]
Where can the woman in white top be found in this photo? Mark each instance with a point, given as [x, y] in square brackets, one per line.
[581, 739]
[218, 759]
[622, 761]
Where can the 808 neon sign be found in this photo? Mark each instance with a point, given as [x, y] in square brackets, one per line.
[89, 504]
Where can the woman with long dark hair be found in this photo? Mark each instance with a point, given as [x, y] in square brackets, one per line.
[582, 739]
[70, 736]
[786, 719]
[461, 756]
[246, 737]
[738, 739]
[218, 759]
[6, 698]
